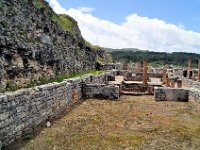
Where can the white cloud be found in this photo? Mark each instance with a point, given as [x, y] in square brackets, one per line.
[57, 7]
[86, 9]
[136, 32]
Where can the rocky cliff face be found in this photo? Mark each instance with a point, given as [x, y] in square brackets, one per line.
[35, 42]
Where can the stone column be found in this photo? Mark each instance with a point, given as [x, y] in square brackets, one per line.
[145, 68]
[199, 70]
[193, 75]
[167, 81]
[189, 67]
[164, 76]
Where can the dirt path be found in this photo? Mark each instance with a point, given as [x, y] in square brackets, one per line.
[132, 123]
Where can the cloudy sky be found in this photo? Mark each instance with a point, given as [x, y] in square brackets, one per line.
[168, 25]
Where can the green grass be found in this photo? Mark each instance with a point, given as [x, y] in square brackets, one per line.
[11, 86]
[63, 20]
[130, 123]
[94, 47]
[61, 78]
[39, 4]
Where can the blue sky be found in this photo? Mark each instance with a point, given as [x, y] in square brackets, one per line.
[158, 25]
[179, 12]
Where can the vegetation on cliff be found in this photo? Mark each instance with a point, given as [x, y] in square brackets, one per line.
[37, 43]
[46, 80]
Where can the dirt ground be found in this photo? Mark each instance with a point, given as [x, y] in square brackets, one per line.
[133, 123]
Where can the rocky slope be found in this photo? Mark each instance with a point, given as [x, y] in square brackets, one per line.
[36, 43]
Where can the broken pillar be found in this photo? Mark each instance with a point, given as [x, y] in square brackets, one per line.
[167, 81]
[193, 75]
[199, 70]
[164, 78]
[189, 67]
[179, 83]
[145, 68]
[172, 83]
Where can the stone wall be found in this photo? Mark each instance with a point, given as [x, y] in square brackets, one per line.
[194, 95]
[171, 94]
[191, 84]
[137, 88]
[101, 91]
[134, 78]
[109, 66]
[22, 111]
[194, 87]
[151, 75]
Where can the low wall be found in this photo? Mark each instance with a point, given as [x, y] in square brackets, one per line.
[138, 88]
[151, 75]
[134, 78]
[124, 73]
[101, 91]
[171, 94]
[22, 111]
[194, 95]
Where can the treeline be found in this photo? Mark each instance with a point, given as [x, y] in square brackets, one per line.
[156, 58]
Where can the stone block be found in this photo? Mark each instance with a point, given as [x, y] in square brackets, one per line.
[171, 94]
[101, 91]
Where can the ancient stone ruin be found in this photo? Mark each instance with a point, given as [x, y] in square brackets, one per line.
[24, 110]
[41, 47]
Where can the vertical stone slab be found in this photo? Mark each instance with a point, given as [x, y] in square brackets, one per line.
[189, 67]
[145, 68]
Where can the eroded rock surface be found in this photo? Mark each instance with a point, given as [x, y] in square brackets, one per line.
[36, 43]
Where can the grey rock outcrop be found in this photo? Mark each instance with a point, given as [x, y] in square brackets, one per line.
[35, 42]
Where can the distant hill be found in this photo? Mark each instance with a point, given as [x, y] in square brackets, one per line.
[123, 49]
[155, 58]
